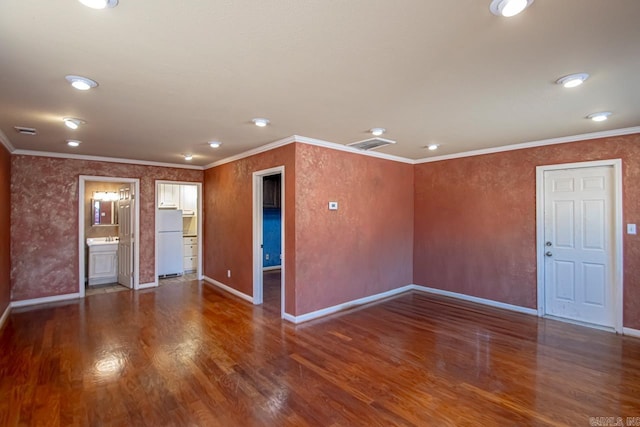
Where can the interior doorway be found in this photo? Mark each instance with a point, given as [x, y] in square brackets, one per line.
[178, 232]
[108, 233]
[579, 243]
[268, 238]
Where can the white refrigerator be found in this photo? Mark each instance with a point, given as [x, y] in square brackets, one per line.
[170, 244]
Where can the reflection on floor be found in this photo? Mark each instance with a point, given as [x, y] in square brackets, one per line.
[114, 287]
[104, 289]
[188, 277]
[271, 283]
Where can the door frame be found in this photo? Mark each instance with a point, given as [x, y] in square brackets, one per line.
[81, 236]
[155, 226]
[257, 235]
[617, 244]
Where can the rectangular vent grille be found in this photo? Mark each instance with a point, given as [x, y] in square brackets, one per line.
[25, 131]
[371, 144]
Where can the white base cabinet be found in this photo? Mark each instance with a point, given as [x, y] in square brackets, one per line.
[190, 253]
[103, 264]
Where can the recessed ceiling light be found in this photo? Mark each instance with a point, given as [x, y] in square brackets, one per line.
[215, 144]
[73, 142]
[508, 8]
[188, 156]
[572, 80]
[99, 4]
[73, 123]
[377, 131]
[599, 117]
[81, 83]
[260, 122]
[433, 147]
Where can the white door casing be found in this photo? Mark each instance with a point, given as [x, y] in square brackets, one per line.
[579, 243]
[258, 237]
[162, 186]
[82, 244]
[125, 237]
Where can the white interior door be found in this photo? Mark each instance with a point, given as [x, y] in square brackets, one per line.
[578, 234]
[125, 237]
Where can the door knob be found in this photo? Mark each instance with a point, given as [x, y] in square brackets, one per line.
[548, 253]
[548, 244]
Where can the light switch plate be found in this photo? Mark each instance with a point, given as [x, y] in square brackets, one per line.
[631, 229]
[333, 206]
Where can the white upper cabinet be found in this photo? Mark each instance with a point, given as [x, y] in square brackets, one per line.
[178, 196]
[169, 196]
[189, 199]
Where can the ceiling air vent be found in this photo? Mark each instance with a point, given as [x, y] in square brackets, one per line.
[25, 131]
[371, 144]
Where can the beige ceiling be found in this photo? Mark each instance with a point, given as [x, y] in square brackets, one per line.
[176, 74]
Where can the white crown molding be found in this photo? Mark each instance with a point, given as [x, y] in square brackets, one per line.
[104, 159]
[7, 144]
[346, 148]
[253, 151]
[309, 141]
[533, 144]
[331, 145]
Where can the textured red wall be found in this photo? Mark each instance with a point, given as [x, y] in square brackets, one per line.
[475, 224]
[5, 228]
[363, 248]
[44, 220]
[228, 220]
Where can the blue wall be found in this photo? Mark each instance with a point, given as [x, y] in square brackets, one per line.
[271, 233]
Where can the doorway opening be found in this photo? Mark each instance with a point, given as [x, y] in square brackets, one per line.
[579, 243]
[108, 234]
[268, 238]
[178, 232]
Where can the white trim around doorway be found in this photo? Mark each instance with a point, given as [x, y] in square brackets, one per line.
[257, 236]
[81, 235]
[199, 271]
[617, 232]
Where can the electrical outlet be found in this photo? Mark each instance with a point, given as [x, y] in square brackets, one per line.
[266, 257]
[333, 206]
[228, 273]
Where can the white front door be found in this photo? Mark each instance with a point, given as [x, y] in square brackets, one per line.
[125, 237]
[578, 239]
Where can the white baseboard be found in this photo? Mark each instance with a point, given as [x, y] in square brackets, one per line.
[228, 289]
[274, 267]
[349, 304]
[490, 303]
[44, 300]
[148, 285]
[631, 332]
[289, 317]
[5, 315]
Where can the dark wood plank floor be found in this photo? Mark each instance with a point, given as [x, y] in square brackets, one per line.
[192, 355]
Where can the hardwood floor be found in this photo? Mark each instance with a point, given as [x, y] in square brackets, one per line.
[189, 354]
